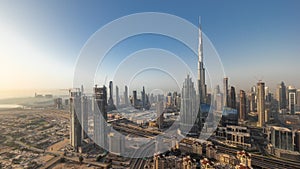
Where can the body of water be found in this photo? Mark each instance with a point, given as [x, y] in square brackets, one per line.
[10, 106]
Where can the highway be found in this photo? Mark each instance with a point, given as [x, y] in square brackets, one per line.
[144, 151]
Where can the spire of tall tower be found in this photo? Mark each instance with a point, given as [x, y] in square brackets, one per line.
[201, 69]
[200, 44]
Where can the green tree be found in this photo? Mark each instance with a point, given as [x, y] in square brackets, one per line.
[80, 159]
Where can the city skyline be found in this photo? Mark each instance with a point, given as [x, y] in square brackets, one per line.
[34, 43]
[149, 84]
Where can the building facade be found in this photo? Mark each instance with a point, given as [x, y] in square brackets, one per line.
[75, 112]
[100, 116]
[189, 108]
[261, 104]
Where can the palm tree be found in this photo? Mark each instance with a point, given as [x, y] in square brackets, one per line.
[80, 159]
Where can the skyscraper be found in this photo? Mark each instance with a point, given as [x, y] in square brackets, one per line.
[252, 102]
[100, 115]
[232, 99]
[75, 112]
[218, 98]
[84, 116]
[159, 113]
[117, 96]
[188, 110]
[225, 92]
[219, 102]
[281, 96]
[297, 108]
[135, 101]
[292, 99]
[201, 70]
[126, 95]
[242, 114]
[261, 103]
[111, 100]
[143, 98]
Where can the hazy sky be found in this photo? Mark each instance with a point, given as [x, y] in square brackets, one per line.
[40, 40]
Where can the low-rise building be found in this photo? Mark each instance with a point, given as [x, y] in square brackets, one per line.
[238, 135]
[244, 160]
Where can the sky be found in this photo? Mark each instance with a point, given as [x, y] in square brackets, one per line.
[41, 40]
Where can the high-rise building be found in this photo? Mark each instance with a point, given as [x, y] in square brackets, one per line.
[282, 96]
[218, 98]
[243, 108]
[111, 100]
[169, 100]
[143, 97]
[75, 112]
[261, 103]
[297, 108]
[201, 70]
[297, 140]
[84, 117]
[159, 113]
[135, 101]
[232, 99]
[100, 116]
[219, 102]
[126, 95]
[189, 110]
[117, 96]
[252, 102]
[175, 99]
[58, 103]
[292, 99]
[225, 92]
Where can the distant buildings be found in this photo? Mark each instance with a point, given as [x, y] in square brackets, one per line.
[261, 104]
[142, 103]
[58, 103]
